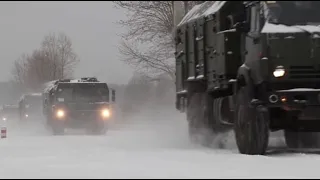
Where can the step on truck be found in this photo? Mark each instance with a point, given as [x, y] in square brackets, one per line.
[252, 67]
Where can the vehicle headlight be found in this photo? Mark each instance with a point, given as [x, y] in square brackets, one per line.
[105, 113]
[279, 71]
[27, 115]
[60, 113]
[4, 118]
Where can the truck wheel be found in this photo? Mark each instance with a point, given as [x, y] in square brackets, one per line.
[302, 139]
[221, 115]
[97, 129]
[197, 116]
[58, 130]
[251, 125]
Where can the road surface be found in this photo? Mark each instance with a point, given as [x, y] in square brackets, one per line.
[150, 145]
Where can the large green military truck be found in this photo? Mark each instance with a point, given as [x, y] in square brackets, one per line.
[78, 103]
[251, 66]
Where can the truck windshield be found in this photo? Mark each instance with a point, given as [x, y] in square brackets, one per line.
[91, 94]
[294, 12]
[83, 92]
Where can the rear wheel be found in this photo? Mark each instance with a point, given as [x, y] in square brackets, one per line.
[221, 115]
[197, 116]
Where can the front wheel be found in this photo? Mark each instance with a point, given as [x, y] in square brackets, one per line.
[97, 129]
[57, 127]
[251, 125]
[58, 130]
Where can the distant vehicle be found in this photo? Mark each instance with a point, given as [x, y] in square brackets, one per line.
[82, 103]
[30, 106]
[9, 112]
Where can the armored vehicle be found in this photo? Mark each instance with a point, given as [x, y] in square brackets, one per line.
[250, 66]
[79, 103]
[9, 112]
[30, 106]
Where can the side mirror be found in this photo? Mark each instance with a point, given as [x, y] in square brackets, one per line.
[113, 96]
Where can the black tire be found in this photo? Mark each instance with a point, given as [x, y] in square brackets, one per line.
[57, 128]
[221, 115]
[197, 116]
[251, 125]
[97, 129]
[302, 139]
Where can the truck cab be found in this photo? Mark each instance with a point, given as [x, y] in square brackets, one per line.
[81, 103]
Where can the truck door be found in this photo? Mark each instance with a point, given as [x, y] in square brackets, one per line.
[252, 41]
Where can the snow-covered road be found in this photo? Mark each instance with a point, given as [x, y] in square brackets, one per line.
[151, 145]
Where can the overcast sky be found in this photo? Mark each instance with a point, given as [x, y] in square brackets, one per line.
[90, 25]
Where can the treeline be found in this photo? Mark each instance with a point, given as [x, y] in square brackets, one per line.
[54, 59]
[142, 94]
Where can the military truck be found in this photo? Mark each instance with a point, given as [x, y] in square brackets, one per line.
[252, 67]
[78, 103]
[30, 106]
[9, 112]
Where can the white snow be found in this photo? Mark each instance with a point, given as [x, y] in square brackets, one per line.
[202, 10]
[214, 8]
[189, 14]
[182, 92]
[191, 78]
[36, 94]
[151, 145]
[299, 90]
[280, 28]
[200, 76]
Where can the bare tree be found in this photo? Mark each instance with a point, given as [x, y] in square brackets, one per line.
[150, 25]
[153, 61]
[136, 94]
[19, 69]
[54, 60]
[58, 49]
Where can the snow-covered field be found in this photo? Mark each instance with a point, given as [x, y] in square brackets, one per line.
[150, 145]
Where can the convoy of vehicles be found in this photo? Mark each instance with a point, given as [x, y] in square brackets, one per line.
[241, 65]
[248, 66]
[67, 103]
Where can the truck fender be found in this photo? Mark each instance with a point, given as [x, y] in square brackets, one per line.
[243, 78]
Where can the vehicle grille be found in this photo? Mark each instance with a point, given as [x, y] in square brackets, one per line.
[83, 115]
[304, 72]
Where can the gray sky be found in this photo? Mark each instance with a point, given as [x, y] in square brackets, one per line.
[90, 25]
